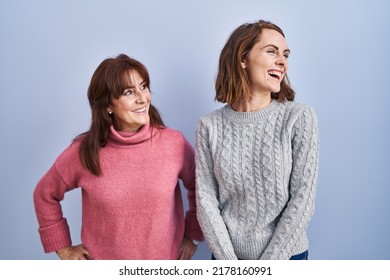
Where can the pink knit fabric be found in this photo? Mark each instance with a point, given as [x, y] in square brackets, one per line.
[134, 210]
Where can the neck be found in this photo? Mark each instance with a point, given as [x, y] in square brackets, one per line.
[256, 103]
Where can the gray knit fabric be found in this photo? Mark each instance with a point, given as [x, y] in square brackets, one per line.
[256, 176]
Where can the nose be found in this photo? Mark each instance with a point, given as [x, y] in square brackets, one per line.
[281, 61]
[140, 97]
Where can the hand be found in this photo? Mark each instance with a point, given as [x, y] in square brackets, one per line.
[187, 249]
[73, 253]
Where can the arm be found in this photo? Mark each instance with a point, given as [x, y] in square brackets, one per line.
[302, 187]
[207, 198]
[187, 175]
[49, 192]
[53, 227]
[192, 228]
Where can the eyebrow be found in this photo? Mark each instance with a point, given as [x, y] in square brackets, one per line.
[271, 45]
[130, 87]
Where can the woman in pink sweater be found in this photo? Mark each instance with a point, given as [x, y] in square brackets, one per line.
[128, 166]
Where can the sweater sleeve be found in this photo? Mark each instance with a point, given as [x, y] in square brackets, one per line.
[302, 188]
[53, 227]
[207, 198]
[187, 175]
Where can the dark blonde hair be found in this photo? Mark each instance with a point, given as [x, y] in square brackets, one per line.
[232, 83]
[108, 82]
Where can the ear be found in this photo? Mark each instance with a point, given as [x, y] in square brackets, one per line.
[109, 111]
[243, 63]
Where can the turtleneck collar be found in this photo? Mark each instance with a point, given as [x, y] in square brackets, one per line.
[124, 138]
[254, 116]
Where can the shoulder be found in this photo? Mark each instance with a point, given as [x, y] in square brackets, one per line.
[211, 119]
[70, 155]
[174, 142]
[206, 124]
[171, 133]
[295, 108]
[294, 111]
[301, 121]
[173, 137]
[213, 115]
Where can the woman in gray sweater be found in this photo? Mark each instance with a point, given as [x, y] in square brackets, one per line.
[256, 157]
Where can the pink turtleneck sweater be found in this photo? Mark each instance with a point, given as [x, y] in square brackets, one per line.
[134, 209]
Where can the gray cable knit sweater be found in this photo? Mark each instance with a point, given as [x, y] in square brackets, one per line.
[256, 176]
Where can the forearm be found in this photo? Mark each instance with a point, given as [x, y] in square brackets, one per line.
[215, 231]
[210, 219]
[53, 227]
[291, 227]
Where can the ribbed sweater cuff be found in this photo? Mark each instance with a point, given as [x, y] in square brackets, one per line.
[55, 237]
[228, 256]
[284, 254]
[249, 250]
[192, 228]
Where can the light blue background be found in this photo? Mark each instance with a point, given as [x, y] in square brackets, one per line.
[339, 65]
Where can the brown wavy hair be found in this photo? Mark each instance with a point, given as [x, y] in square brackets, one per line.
[232, 83]
[108, 82]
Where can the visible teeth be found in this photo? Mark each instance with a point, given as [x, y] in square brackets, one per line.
[140, 110]
[275, 73]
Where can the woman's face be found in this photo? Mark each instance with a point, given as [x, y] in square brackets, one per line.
[131, 111]
[266, 63]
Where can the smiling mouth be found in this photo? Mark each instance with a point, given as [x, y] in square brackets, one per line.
[275, 74]
[140, 110]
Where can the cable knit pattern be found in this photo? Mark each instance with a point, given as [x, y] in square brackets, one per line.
[256, 175]
[134, 210]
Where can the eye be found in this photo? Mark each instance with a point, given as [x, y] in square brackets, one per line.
[271, 51]
[286, 55]
[128, 92]
[143, 86]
